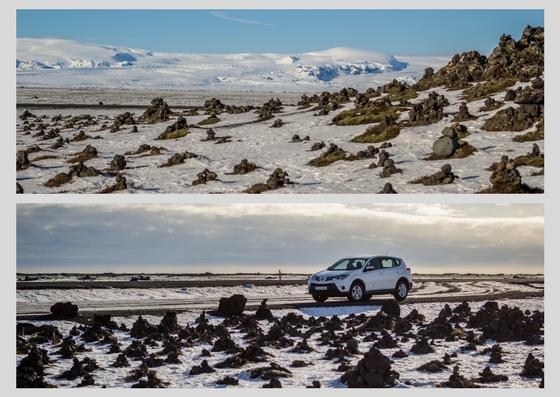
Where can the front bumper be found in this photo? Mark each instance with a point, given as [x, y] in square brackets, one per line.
[328, 289]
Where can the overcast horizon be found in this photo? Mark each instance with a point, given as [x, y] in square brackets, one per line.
[230, 238]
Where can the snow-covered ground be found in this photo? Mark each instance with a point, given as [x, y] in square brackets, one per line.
[177, 375]
[270, 148]
[66, 63]
[421, 289]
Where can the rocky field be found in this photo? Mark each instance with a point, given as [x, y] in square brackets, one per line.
[467, 345]
[475, 125]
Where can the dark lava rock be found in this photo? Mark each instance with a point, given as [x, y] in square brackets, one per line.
[31, 369]
[121, 361]
[122, 119]
[120, 184]
[299, 364]
[263, 312]
[203, 368]
[244, 167]
[79, 369]
[399, 354]
[432, 366]
[389, 169]
[314, 385]
[22, 161]
[168, 323]
[152, 382]
[422, 347]
[277, 123]
[372, 371]
[487, 376]
[204, 177]
[443, 177]
[58, 180]
[273, 371]
[317, 146]
[81, 170]
[273, 384]
[463, 114]
[276, 180]
[158, 111]
[142, 328]
[391, 308]
[80, 136]
[429, 111]
[118, 163]
[175, 130]
[228, 381]
[456, 380]
[232, 306]
[511, 119]
[64, 310]
[88, 153]
[388, 189]
[533, 367]
[506, 179]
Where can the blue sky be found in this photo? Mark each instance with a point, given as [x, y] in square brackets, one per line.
[480, 238]
[399, 32]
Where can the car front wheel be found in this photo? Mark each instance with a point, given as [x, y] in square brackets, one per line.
[357, 293]
[320, 298]
[401, 290]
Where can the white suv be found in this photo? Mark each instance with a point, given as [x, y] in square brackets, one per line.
[361, 277]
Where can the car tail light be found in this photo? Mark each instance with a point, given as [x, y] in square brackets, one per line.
[408, 270]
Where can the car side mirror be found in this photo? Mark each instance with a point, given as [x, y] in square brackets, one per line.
[369, 268]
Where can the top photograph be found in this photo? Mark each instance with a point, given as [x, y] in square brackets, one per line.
[280, 101]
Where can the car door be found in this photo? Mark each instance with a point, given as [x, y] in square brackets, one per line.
[371, 274]
[387, 273]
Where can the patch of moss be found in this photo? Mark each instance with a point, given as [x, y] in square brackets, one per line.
[409, 93]
[209, 120]
[173, 134]
[531, 161]
[536, 135]
[366, 115]
[486, 88]
[323, 161]
[378, 133]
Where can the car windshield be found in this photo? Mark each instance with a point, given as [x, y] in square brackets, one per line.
[348, 264]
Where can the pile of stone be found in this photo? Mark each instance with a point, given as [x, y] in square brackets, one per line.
[204, 177]
[450, 145]
[278, 179]
[428, 111]
[372, 371]
[120, 184]
[122, 119]
[176, 130]
[442, 177]
[158, 111]
[244, 167]
[88, 153]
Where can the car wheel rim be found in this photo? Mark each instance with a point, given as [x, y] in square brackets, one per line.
[402, 290]
[356, 292]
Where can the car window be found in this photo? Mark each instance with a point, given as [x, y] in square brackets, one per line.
[386, 263]
[348, 264]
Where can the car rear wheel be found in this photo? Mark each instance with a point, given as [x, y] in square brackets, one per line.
[320, 298]
[357, 293]
[401, 290]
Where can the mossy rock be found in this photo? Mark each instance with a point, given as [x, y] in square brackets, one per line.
[536, 135]
[532, 161]
[209, 120]
[464, 151]
[485, 89]
[409, 93]
[366, 115]
[378, 133]
[173, 134]
[323, 161]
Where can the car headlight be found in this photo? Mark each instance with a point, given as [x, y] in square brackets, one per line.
[341, 277]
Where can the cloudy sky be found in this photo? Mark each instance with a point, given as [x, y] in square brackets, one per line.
[267, 237]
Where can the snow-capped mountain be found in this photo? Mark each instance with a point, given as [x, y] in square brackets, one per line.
[59, 62]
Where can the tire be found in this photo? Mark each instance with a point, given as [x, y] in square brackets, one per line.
[401, 290]
[357, 292]
[320, 298]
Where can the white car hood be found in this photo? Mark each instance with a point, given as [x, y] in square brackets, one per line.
[329, 273]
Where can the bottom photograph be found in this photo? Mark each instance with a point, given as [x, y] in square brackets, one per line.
[280, 295]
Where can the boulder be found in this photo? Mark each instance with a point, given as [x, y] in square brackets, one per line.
[64, 310]
[232, 306]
